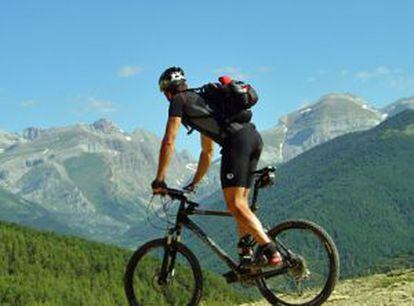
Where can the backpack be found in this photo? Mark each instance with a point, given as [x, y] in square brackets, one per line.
[230, 100]
[222, 109]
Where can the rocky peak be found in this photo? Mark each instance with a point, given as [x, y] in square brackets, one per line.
[32, 133]
[105, 126]
[8, 139]
[345, 102]
[334, 97]
[399, 106]
[332, 115]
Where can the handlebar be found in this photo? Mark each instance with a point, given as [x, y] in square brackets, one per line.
[176, 194]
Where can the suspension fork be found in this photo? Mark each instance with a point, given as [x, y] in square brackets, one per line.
[168, 260]
[170, 250]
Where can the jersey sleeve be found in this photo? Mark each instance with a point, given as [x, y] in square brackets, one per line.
[176, 107]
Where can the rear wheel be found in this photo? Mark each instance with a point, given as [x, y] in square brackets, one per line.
[162, 274]
[313, 268]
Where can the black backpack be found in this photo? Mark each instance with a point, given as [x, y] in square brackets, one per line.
[230, 102]
[223, 109]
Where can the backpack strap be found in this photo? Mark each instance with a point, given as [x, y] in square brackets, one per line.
[188, 128]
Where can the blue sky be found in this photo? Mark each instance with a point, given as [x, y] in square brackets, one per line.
[65, 62]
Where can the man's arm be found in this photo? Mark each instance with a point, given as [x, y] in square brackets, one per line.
[206, 155]
[167, 146]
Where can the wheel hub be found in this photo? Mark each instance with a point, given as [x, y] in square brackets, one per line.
[299, 270]
[160, 285]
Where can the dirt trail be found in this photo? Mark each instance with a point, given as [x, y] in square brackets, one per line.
[392, 289]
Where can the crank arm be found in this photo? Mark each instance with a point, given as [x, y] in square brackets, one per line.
[234, 278]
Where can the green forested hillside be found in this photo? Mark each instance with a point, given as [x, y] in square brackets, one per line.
[39, 268]
[360, 187]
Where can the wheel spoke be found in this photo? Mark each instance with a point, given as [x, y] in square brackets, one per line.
[312, 267]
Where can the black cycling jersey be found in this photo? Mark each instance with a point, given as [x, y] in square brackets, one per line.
[241, 143]
[197, 114]
[177, 105]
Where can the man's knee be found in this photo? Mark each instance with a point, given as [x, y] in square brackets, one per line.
[236, 202]
[238, 207]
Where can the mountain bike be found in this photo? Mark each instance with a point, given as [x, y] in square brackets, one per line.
[307, 275]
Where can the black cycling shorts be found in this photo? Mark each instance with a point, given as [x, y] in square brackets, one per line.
[240, 155]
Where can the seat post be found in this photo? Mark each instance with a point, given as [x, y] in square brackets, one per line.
[255, 206]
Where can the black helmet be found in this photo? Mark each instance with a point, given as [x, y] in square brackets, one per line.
[171, 77]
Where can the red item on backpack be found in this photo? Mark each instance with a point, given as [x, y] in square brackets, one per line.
[225, 80]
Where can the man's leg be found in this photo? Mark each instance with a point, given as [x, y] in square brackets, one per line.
[239, 160]
[247, 221]
[242, 230]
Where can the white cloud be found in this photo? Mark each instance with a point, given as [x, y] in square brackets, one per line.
[398, 71]
[101, 106]
[343, 73]
[234, 72]
[401, 82]
[378, 72]
[28, 103]
[129, 71]
[394, 78]
[317, 75]
[382, 70]
[264, 69]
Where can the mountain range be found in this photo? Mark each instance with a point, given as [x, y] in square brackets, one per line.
[331, 116]
[92, 180]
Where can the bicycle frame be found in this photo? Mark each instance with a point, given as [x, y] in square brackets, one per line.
[184, 221]
[253, 273]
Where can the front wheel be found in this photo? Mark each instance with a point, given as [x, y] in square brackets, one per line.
[159, 273]
[312, 265]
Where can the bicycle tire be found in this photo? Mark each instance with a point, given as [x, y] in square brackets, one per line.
[332, 254]
[140, 253]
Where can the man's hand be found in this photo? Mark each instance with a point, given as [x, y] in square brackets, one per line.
[192, 187]
[158, 187]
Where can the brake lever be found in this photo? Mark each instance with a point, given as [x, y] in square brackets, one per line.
[187, 190]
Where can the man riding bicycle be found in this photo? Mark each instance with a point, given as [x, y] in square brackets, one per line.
[241, 148]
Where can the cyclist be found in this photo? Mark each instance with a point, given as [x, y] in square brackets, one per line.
[241, 151]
